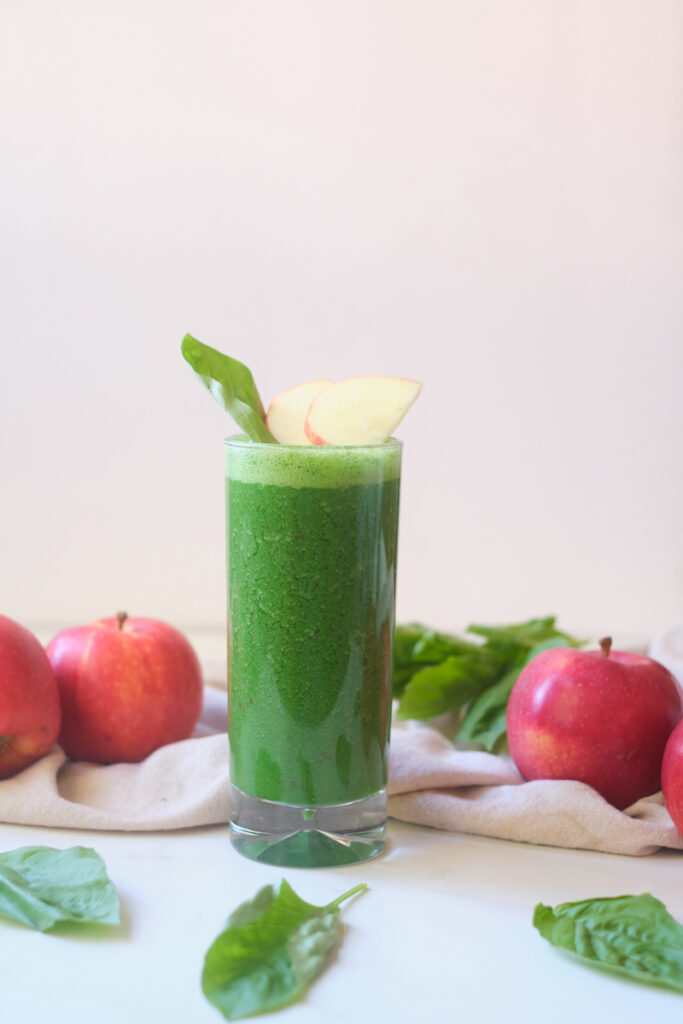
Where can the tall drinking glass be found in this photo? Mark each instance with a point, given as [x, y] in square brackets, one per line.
[311, 559]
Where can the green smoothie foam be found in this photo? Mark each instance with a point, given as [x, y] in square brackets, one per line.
[311, 548]
[309, 466]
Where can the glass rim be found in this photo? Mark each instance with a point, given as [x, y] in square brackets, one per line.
[242, 441]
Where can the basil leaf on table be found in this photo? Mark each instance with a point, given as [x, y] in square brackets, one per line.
[40, 887]
[634, 936]
[273, 947]
[232, 385]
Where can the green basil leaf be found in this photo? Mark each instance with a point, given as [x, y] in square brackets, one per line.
[41, 887]
[232, 385]
[523, 634]
[633, 936]
[416, 645]
[486, 719]
[435, 672]
[433, 647]
[485, 722]
[449, 686]
[252, 909]
[273, 947]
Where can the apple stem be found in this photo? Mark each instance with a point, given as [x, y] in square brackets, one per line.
[605, 646]
[121, 618]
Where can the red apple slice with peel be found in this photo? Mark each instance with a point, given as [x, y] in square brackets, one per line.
[287, 412]
[360, 410]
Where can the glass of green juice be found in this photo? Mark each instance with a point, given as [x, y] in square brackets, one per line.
[311, 564]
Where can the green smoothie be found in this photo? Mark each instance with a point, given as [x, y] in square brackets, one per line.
[311, 548]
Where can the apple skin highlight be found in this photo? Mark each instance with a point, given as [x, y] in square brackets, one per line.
[127, 688]
[602, 720]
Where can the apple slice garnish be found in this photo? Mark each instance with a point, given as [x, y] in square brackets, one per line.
[360, 410]
[287, 412]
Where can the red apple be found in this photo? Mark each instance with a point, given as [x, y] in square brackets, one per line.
[672, 776]
[127, 686]
[600, 717]
[29, 700]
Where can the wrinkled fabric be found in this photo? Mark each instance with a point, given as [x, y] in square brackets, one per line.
[431, 782]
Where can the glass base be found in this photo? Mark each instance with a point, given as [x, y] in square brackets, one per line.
[307, 837]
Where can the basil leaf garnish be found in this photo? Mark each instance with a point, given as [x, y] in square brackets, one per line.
[231, 384]
[273, 947]
[41, 887]
[633, 936]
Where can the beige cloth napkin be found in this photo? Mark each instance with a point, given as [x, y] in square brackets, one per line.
[430, 783]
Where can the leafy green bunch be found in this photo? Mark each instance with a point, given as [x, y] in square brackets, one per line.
[435, 672]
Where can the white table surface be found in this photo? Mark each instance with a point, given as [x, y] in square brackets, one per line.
[444, 933]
